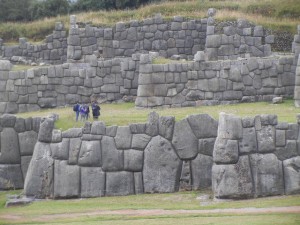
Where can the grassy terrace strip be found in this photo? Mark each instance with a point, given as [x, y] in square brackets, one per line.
[275, 14]
[85, 210]
[126, 113]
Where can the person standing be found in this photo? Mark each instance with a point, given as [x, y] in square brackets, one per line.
[76, 109]
[95, 110]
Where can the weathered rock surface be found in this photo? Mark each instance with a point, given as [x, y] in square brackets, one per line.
[92, 182]
[291, 170]
[9, 147]
[161, 167]
[201, 168]
[119, 183]
[11, 177]
[233, 181]
[39, 179]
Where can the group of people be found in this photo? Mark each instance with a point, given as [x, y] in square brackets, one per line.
[84, 111]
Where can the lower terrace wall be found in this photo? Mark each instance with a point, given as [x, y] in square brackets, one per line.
[17, 140]
[158, 156]
[255, 157]
[214, 82]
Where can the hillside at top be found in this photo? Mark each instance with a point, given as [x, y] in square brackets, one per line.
[275, 14]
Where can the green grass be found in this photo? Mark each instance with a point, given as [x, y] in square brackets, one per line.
[275, 14]
[39, 210]
[126, 113]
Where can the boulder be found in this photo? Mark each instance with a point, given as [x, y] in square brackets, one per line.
[140, 141]
[27, 142]
[39, 178]
[74, 149]
[267, 175]
[184, 140]
[90, 154]
[233, 181]
[60, 150]
[248, 144]
[92, 182]
[162, 166]
[133, 160]
[119, 183]
[203, 125]
[166, 126]
[230, 127]
[226, 151]
[201, 168]
[291, 168]
[123, 138]
[9, 143]
[266, 139]
[112, 158]
[67, 180]
[11, 177]
[45, 132]
[98, 127]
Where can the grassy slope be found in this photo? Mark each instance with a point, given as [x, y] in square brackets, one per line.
[172, 201]
[276, 14]
[124, 114]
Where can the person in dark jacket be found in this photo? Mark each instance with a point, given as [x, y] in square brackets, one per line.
[76, 109]
[95, 110]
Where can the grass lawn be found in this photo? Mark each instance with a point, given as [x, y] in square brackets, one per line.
[60, 211]
[126, 113]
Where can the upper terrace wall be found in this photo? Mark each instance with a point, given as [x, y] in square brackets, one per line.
[213, 82]
[176, 37]
[52, 51]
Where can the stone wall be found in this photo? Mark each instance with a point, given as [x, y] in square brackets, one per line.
[158, 156]
[238, 39]
[53, 50]
[17, 140]
[214, 82]
[176, 37]
[255, 157]
[60, 85]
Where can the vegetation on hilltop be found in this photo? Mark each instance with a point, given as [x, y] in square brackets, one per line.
[274, 14]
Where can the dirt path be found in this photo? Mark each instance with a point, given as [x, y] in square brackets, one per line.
[155, 212]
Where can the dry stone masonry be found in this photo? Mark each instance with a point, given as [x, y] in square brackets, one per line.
[53, 50]
[158, 156]
[17, 140]
[255, 157]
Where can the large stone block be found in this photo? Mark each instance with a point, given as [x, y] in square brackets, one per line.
[123, 138]
[8, 120]
[119, 183]
[161, 171]
[98, 127]
[287, 152]
[112, 158]
[25, 161]
[138, 183]
[67, 180]
[184, 140]
[45, 132]
[166, 126]
[230, 127]
[206, 146]
[140, 141]
[233, 181]
[133, 160]
[226, 151]
[11, 177]
[291, 168]
[27, 142]
[248, 144]
[92, 182]
[152, 124]
[60, 150]
[9, 151]
[39, 178]
[201, 171]
[266, 139]
[267, 175]
[203, 125]
[90, 154]
[74, 149]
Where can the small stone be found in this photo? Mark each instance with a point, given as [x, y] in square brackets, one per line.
[277, 100]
